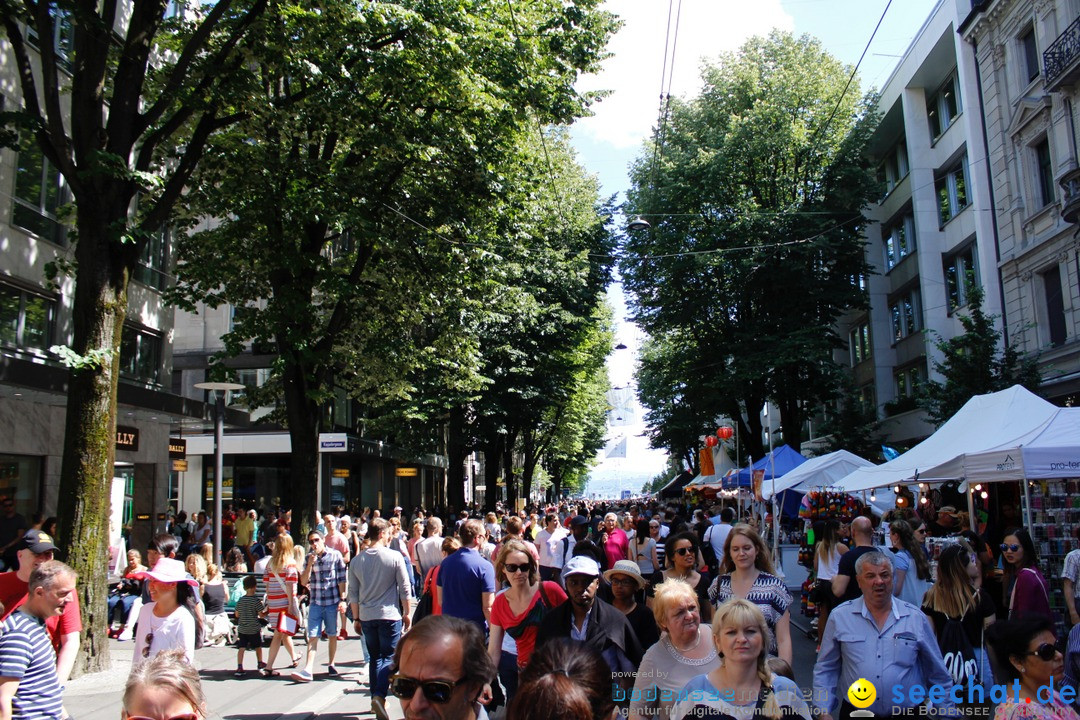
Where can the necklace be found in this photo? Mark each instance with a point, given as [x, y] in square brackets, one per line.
[683, 651]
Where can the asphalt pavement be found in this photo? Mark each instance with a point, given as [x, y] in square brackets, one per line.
[97, 696]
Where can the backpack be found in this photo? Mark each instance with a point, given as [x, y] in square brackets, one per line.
[958, 653]
[707, 552]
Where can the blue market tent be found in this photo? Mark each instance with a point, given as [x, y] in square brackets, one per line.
[784, 459]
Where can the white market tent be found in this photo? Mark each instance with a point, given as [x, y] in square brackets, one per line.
[986, 422]
[1049, 452]
[821, 471]
[722, 463]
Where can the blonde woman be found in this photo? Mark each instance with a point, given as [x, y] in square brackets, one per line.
[742, 687]
[214, 593]
[281, 580]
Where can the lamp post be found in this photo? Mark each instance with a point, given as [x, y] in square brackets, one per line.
[219, 389]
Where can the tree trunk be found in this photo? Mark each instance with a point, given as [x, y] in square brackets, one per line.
[90, 431]
[456, 452]
[303, 418]
[791, 419]
[529, 469]
[508, 468]
[492, 468]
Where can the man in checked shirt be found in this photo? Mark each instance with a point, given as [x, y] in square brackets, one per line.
[325, 576]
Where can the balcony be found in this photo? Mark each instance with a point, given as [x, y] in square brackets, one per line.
[1070, 195]
[1061, 61]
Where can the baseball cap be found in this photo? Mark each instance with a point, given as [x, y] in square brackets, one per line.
[38, 542]
[579, 520]
[581, 565]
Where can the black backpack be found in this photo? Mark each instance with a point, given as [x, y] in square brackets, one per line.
[957, 652]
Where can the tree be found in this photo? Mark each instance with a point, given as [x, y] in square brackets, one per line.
[972, 364]
[755, 249]
[356, 198]
[126, 130]
[853, 426]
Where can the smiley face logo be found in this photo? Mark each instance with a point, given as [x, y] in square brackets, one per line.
[862, 693]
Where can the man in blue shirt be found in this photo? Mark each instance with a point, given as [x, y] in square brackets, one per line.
[467, 580]
[883, 639]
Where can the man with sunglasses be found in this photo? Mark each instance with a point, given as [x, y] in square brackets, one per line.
[64, 629]
[325, 577]
[441, 670]
[29, 686]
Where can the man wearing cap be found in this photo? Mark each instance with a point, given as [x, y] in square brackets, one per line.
[586, 618]
[36, 548]
[626, 582]
[29, 687]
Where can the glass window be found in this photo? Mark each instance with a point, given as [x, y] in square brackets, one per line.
[944, 107]
[952, 192]
[899, 239]
[961, 276]
[26, 319]
[908, 381]
[894, 167]
[906, 315]
[39, 192]
[154, 263]
[1045, 170]
[63, 36]
[1030, 50]
[1055, 306]
[859, 343]
[140, 354]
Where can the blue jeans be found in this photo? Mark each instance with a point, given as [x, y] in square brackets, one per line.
[381, 638]
[124, 603]
[508, 674]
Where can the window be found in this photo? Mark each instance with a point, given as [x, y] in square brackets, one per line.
[1055, 306]
[868, 398]
[174, 9]
[1044, 167]
[906, 314]
[1030, 52]
[908, 381]
[63, 36]
[944, 107]
[899, 240]
[952, 192]
[39, 191]
[961, 277]
[26, 319]
[860, 343]
[249, 378]
[140, 354]
[153, 265]
[895, 166]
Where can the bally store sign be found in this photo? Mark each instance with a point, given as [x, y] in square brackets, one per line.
[127, 438]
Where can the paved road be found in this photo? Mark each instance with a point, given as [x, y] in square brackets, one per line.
[97, 697]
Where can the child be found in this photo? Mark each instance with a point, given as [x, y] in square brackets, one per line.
[248, 610]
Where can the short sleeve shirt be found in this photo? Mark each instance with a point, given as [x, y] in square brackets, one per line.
[27, 654]
[12, 592]
[522, 628]
[326, 574]
[768, 592]
[1072, 570]
[464, 577]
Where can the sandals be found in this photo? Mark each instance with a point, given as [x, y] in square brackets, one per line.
[267, 672]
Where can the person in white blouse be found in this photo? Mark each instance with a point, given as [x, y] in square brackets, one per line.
[166, 623]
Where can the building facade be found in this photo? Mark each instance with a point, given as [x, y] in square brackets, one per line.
[1028, 54]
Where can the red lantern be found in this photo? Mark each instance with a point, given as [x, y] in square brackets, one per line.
[725, 433]
[710, 441]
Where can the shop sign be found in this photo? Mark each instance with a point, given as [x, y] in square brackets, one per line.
[161, 517]
[179, 465]
[407, 472]
[333, 442]
[340, 472]
[142, 516]
[177, 448]
[127, 438]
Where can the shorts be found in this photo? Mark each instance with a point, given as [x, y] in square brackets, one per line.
[249, 642]
[322, 618]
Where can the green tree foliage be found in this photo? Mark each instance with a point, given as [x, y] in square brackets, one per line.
[972, 364]
[371, 221]
[853, 426]
[755, 247]
[126, 125]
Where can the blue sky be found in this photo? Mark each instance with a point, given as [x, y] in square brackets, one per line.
[620, 128]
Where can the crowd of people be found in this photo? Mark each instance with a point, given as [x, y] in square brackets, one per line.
[571, 611]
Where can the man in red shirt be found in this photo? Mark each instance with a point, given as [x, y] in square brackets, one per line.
[36, 548]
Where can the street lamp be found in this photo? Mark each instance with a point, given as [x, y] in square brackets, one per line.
[219, 389]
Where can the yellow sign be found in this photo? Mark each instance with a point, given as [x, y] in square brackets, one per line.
[179, 465]
[407, 472]
[862, 693]
[340, 472]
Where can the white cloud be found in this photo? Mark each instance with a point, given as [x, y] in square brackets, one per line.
[706, 29]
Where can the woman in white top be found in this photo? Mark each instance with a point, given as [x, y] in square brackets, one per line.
[166, 623]
[643, 549]
[826, 563]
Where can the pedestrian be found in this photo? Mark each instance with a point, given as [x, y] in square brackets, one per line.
[1027, 656]
[565, 680]
[844, 585]
[325, 578]
[167, 622]
[626, 584]
[64, 630]
[682, 564]
[827, 555]
[614, 541]
[281, 578]
[245, 534]
[429, 550]
[1026, 590]
[551, 548]
[466, 581]
[165, 686]
[379, 594]
[960, 613]
[441, 670]
[123, 597]
[896, 646]
[248, 611]
[29, 684]
[743, 683]
[912, 576]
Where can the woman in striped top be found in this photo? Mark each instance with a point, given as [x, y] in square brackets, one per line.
[281, 579]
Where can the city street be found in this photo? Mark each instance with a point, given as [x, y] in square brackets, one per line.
[97, 696]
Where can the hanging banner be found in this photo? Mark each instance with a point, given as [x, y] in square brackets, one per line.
[757, 479]
[707, 467]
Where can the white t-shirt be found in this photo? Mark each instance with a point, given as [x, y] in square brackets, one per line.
[429, 552]
[261, 563]
[550, 545]
[175, 631]
[717, 536]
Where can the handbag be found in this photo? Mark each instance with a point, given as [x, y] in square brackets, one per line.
[288, 619]
[426, 604]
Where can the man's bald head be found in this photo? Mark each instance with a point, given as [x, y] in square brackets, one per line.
[862, 530]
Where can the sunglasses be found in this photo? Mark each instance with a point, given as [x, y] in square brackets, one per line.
[512, 568]
[149, 640]
[1045, 651]
[436, 691]
[624, 582]
[1013, 547]
[185, 716]
[684, 551]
